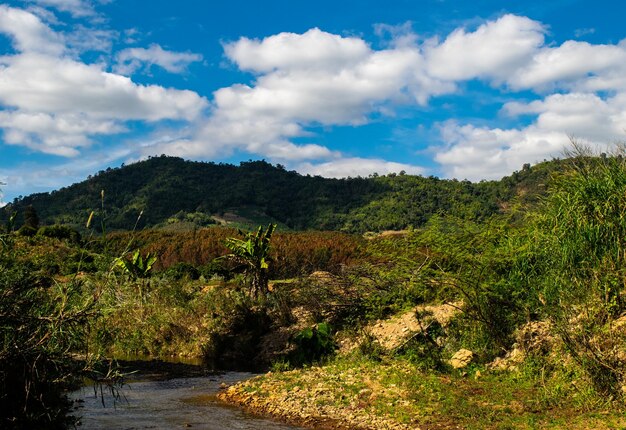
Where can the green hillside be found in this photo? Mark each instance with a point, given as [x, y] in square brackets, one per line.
[173, 192]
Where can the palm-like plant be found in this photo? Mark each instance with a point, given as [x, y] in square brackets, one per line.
[253, 255]
[138, 269]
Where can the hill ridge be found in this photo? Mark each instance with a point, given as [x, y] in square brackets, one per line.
[171, 190]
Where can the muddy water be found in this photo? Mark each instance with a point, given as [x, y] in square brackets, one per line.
[168, 403]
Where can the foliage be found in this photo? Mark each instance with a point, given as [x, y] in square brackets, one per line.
[169, 188]
[31, 219]
[252, 257]
[41, 322]
[312, 344]
[293, 253]
[27, 231]
[137, 267]
[236, 329]
[583, 255]
[182, 271]
[60, 232]
[487, 267]
[424, 348]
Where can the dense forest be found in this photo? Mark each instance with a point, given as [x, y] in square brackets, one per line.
[170, 190]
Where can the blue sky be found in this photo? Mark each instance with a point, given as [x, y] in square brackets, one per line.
[336, 88]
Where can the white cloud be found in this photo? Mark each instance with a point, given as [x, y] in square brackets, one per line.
[77, 8]
[28, 177]
[54, 134]
[476, 153]
[314, 78]
[584, 96]
[132, 59]
[580, 32]
[490, 153]
[54, 103]
[28, 33]
[83, 39]
[41, 83]
[568, 65]
[314, 49]
[493, 51]
[353, 167]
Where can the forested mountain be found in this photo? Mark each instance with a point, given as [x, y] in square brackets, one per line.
[170, 190]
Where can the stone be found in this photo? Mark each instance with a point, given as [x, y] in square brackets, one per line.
[462, 358]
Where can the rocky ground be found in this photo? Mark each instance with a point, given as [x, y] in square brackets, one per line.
[356, 392]
[343, 395]
[318, 398]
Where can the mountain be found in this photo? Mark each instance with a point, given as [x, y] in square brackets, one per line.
[171, 191]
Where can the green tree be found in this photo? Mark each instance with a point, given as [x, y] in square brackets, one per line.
[252, 255]
[31, 219]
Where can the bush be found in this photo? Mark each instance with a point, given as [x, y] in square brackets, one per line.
[583, 253]
[181, 271]
[40, 324]
[27, 231]
[312, 344]
[60, 232]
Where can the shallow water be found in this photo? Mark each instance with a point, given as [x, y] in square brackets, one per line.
[169, 404]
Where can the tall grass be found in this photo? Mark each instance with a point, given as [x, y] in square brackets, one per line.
[584, 252]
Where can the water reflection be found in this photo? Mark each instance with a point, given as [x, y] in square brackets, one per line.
[164, 403]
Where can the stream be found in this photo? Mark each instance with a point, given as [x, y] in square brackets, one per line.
[165, 400]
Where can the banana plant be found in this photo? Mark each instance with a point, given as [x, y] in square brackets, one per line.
[253, 255]
[139, 269]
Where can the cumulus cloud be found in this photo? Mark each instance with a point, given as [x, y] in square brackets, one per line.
[77, 8]
[314, 49]
[318, 78]
[494, 50]
[583, 95]
[28, 33]
[477, 153]
[572, 64]
[355, 166]
[490, 153]
[303, 80]
[132, 59]
[53, 102]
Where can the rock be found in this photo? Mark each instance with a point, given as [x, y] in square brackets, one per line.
[461, 358]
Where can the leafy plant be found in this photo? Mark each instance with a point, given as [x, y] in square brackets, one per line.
[40, 323]
[252, 255]
[138, 267]
[581, 242]
[312, 343]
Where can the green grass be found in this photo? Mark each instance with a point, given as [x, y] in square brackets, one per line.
[394, 389]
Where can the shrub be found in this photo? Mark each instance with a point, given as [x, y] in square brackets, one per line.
[27, 231]
[40, 324]
[182, 271]
[312, 344]
[60, 232]
[582, 226]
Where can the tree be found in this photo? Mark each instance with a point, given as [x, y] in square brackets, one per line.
[31, 219]
[252, 256]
